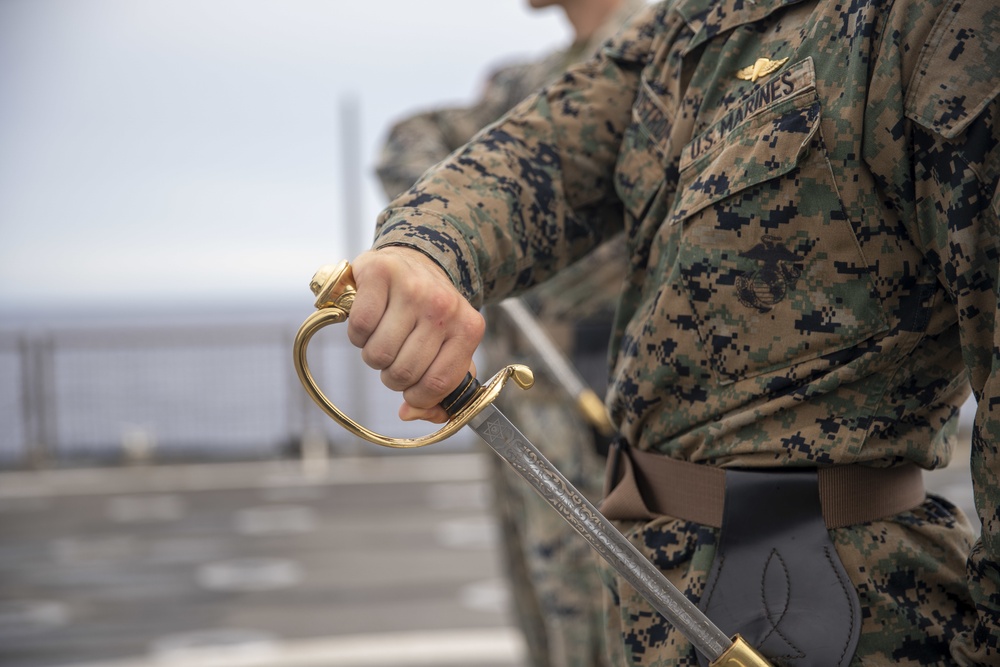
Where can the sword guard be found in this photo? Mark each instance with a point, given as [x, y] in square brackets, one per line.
[334, 288]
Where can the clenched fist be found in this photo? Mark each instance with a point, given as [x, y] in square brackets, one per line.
[414, 326]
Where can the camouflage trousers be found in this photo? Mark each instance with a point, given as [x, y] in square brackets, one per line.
[909, 573]
[553, 571]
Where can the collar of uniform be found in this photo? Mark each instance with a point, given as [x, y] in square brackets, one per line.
[708, 18]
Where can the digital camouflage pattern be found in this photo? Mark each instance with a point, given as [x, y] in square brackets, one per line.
[554, 575]
[813, 272]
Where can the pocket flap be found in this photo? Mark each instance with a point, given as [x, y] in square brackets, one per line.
[956, 76]
[739, 152]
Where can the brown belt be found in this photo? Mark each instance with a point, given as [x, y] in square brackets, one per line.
[642, 485]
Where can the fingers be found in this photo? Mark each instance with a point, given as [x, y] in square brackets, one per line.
[435, 414]
[414, 326]
[372, 280]
[443, 375]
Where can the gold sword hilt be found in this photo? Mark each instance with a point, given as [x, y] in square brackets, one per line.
[335, 289]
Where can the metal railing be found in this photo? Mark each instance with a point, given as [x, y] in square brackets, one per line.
[179, 393]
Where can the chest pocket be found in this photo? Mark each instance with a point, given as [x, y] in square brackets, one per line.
[766, 255]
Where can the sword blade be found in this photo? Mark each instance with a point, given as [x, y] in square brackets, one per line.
[550, 355]
[558, 366]
[511, 445]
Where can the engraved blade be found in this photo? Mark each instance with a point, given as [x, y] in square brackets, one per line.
[511, 445]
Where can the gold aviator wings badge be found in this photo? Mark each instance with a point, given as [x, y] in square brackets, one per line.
[762, 67]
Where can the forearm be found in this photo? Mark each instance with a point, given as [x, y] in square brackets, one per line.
[955, 221]
[530, 194]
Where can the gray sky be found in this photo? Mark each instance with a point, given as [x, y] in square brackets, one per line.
[190, 149]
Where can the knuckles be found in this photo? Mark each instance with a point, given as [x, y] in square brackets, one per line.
[360, 326]
[378, 359]
[474, 328]
[398, 379]
[438, 385]
[440, 307]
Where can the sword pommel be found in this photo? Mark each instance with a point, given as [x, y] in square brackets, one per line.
[333, 286]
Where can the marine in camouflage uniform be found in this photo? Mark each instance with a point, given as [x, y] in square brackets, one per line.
[553, 572]
[813, 273]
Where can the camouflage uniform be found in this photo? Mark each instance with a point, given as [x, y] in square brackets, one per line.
[813, 272]
[553, 572]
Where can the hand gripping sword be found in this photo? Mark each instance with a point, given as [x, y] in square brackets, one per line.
[471, 404]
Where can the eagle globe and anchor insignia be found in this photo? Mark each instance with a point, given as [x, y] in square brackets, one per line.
[769, 284]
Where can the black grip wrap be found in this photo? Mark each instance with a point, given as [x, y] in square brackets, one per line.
[459, 398]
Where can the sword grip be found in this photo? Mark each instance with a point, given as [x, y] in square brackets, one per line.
[458, 399]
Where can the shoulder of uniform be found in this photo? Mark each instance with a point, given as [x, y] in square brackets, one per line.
[958, 70]
[510, 72]
[509, 84]
[632, 42]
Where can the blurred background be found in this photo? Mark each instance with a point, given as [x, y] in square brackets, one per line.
[171, 175]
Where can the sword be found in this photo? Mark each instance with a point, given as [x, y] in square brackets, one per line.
[588, 402]
[471, 404]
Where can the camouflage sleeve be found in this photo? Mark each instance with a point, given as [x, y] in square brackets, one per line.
[534, 191]
[952, 187]
[419, 142]
[957, 209]
[586, 287]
